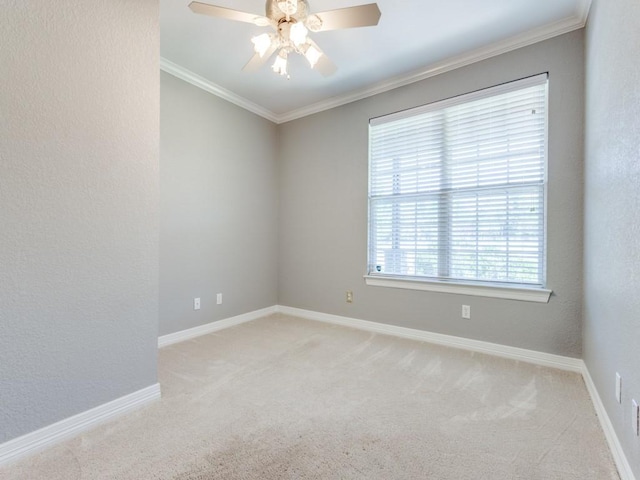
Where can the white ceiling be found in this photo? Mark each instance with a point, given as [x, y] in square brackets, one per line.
[414, 39]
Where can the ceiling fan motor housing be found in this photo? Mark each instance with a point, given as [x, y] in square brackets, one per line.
[274, 13]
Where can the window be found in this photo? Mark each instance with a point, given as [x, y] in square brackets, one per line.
[457, 189]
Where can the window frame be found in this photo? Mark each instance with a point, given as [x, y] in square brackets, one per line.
[512, 291]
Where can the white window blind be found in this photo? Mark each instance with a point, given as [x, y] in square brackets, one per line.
[457, 188]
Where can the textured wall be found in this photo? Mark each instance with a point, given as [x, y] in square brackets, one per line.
[218, 214]
[79, 129]
[612, 211]
[323, 210]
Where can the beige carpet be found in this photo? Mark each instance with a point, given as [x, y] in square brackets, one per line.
[284, 398]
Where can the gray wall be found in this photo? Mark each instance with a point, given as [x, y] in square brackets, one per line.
[218, 208]
[79, 142]
[612, 211]
[323, 210]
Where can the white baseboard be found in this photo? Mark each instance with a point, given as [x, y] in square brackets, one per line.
[48, 436]
[521, 354]
[194, 332]
[529, 356]
[624, 469]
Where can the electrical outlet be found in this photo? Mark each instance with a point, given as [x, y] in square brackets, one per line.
[196, 304]
[466, 312]
[618, 388]
[219, 299]
[349, 296]
[635, 418]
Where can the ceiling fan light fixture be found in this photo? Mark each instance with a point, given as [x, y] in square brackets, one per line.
[292, 22]
[261, 43]
[312, 54]
[288, 7]
[298, 34]
[280, 65]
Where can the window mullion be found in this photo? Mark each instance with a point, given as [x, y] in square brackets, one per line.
[444, 205]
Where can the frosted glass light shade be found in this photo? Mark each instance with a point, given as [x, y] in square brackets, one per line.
[280, 65]
[261, 43]
[312, 55]
[298, 34]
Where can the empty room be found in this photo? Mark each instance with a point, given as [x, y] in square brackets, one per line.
[319, 239]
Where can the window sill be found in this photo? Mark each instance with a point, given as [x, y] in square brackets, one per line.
[525, 294]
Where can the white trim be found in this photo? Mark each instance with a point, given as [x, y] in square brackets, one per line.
[53, 434]
[538, 295]
[60, 431]
[620, 459]
[529, 356]
[514, 353]
[584, 8]
[528, 38]
[208, 86]
[453, 63]
[194, 332]
[498, 48]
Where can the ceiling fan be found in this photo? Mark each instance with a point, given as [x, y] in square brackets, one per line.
[292, 21]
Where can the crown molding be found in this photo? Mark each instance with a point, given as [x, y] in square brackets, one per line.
[519, 41]
[498, 48]
[208, 86]
[584, 7]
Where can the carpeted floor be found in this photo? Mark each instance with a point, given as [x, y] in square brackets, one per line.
[284, 398]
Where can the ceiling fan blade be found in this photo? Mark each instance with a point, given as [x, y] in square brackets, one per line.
[325, 66]
[228, 13]
[257, 61]
[350, 17]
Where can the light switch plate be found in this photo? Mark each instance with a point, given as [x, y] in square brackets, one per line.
[196, 303]
[635, 418]
[618, 388]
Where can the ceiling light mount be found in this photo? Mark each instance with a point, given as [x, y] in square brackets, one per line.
[288, 7]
